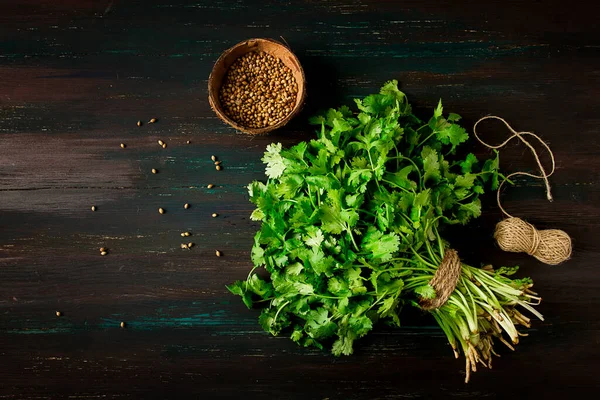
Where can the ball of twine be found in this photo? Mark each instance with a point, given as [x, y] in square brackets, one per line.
[550, 246]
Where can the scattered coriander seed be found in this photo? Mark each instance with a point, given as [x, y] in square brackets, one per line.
[186, 206]
[190, 244]
[218, 253]
[160, 142]
[218, 167]
[210, 186]
[184, 246]
[215, 215]
[139, 123]
[188, 142]
[164, 145]
[187, 234]
[93, 208]
[122, 324]
[103, 253]
[123, 145]
[182, 234]
[102, 249]
[152, 120]
[161, 210]
[217, 162]
[58, 314]
[154, 171]
[213, 158]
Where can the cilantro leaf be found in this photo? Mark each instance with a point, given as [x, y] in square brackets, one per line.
[452, 117]
[453, 134]
[431, 164]
[468, 164]
[426, 292]
[274, 161]
[314, 237]
[381, 246]
[319, 324]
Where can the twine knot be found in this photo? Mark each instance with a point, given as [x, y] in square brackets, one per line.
[444, 280]
[550, 246]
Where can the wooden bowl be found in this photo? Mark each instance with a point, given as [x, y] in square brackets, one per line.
[271, 47]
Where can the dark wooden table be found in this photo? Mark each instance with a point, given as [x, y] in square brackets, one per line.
[76, 76]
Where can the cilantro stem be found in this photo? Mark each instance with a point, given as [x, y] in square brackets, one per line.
[413, 163]
[352, 238]
[326, 297]
[397, 158]
[421, 258]
[373, 167]
[263, 300]
[249, 274]
[311, 199]
[376, 302]
[404, 259]
[439, 239]
[427, 138]
[397, 186]
[280, 308]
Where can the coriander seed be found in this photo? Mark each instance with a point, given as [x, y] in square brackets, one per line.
[210, 186]
[164, 145]
[217, 162]
[58, 314]
[213, 158]
[123, 145]
[102, 249]
[186, 206]
[190, 244]
[218, 253]
[161, 210]
[259, 90]
[139, 123]
[122, 324]
[152, 120]
[218, 167]
[215, 215]
[188, 142]
[154, 171]
[160, 142]
[103, 253]
[184, 246]
[93, 208]
[187, 234]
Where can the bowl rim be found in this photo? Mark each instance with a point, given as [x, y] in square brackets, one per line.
[213, 93]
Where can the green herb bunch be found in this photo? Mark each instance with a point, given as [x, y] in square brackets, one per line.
[351, 227]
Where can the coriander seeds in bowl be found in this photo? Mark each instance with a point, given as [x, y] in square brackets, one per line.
[257, 86]
[258, 90]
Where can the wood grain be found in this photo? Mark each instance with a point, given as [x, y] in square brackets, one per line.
[76, 76]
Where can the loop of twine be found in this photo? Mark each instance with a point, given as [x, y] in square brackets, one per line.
[550, 246]
[444, 280]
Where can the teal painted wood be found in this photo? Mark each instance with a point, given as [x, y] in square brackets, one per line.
[75, 77]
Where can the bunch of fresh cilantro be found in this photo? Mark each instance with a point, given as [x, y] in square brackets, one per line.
[350, 230]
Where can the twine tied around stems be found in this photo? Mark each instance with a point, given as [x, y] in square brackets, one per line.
[444, 280]
[550, 246]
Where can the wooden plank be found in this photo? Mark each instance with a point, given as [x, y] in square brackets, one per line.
[78, 75]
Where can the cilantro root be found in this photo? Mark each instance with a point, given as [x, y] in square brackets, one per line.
[351, 232]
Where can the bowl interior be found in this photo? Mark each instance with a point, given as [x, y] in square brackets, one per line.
[271, 47]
